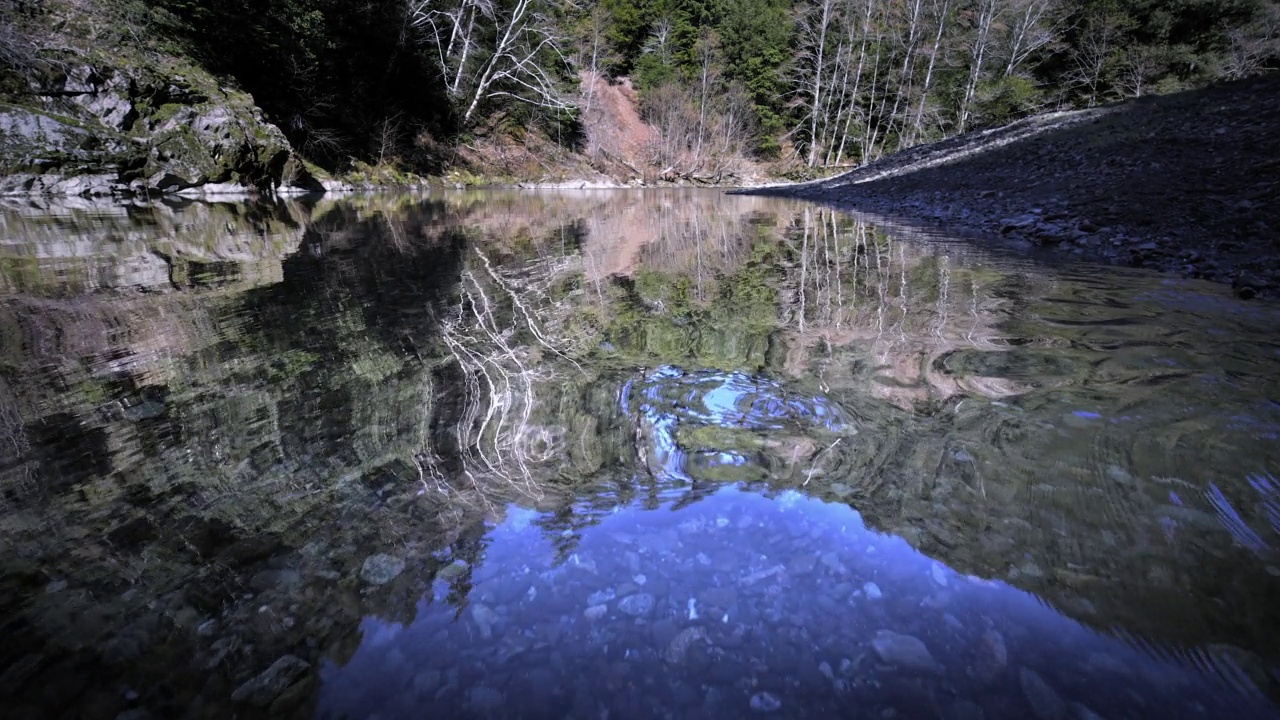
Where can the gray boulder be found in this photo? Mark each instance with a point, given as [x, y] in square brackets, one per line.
[134, 129]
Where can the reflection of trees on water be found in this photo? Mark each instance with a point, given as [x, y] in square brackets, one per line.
[414, 364]
[496, 435]
[927, 347]
[896, 301]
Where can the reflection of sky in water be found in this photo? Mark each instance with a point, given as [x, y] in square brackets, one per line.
[742, 598]
[734, 400]
[671, 397]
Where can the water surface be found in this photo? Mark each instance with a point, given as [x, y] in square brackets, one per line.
[621, 455]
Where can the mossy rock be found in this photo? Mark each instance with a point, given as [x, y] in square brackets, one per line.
[140, 126]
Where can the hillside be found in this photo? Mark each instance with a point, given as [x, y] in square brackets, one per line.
[1186, 183]
[131, 97]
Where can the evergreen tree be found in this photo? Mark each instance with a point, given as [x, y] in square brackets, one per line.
[756, 39]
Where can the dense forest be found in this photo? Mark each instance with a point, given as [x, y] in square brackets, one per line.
[804, 83]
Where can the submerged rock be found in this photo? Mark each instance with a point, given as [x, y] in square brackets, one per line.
[939, 574]
[637, 605]
[679, 646]
[765, 702]
[264, 688]
[1080, 712]
[600, 597]
[381, 569]
[964, 710]
[1249, 664]
[759, 575]
[873, 591]
[427, 682]
[802, 564]
[905, 651]
[663, 632]
[485, 698]
[719, 597]
[991, 658]
[831, 560]
[1106, 663]
[485, 619]
[1247, 285]
[1044, 701]
[452, 570]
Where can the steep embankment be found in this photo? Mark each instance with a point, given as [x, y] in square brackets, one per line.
[1187, 183]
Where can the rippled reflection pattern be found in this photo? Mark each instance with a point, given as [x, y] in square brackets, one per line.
[740, 411]
[620, 455]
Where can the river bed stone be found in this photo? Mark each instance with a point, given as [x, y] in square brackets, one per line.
[638, 605]
[381, 569]
[679, 646]
[264, 688]
[1044, 701]
[765, 702]
[904, 651]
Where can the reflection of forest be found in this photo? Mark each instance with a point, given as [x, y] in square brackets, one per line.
[299, 387]
[898, 301]
[923, 342]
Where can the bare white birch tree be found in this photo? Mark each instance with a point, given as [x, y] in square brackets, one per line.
[517, 63]
[816, 26]
[1141, 66]
[862, 34]
[1032, 25]
[1253, 45]
[1097, 52]
[914, 28]
[941, 11]
[986, 13]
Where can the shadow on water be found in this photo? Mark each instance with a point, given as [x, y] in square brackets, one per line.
[620, 454]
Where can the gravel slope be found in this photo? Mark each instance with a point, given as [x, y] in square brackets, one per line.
[1186, 183]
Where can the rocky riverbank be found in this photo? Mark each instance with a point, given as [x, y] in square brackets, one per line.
[1187, 184]
[112, 127]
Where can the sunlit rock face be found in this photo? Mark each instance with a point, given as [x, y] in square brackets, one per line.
[327, 436]
[137, 124]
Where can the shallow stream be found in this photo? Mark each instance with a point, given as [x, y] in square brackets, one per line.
[641, 454]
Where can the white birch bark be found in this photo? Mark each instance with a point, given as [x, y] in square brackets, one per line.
[988, 12]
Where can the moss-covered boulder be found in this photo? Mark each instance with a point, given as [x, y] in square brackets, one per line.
[116, 126]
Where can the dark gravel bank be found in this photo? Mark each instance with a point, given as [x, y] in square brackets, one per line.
[1187, 184]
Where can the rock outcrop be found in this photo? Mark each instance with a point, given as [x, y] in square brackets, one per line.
[122, 127]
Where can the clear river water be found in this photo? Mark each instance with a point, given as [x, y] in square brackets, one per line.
[605, 455]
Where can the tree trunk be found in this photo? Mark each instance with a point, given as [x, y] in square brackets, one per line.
[988, 11]
[928, 76]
